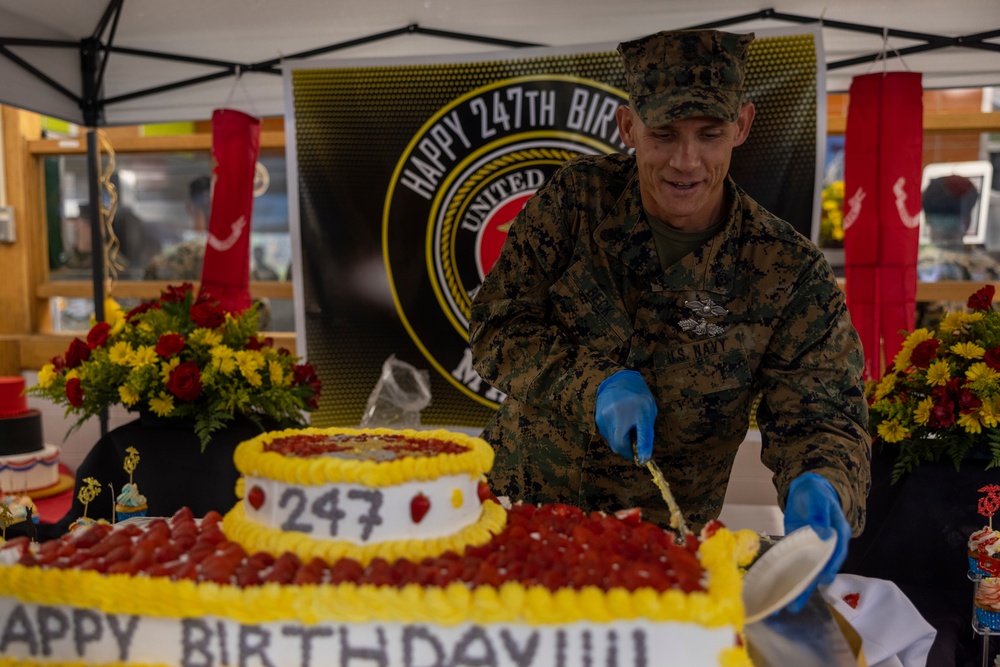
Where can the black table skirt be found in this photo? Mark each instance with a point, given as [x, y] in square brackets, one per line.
[916, 536]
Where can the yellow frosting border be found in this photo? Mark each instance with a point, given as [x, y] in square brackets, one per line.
[251, 459]
[456, 603]
[253, 536]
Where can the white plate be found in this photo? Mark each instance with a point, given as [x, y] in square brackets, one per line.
[784, 571]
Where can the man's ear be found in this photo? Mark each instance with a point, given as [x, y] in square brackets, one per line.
[743, 122]
[626, 122]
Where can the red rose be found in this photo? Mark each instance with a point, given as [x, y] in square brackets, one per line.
[58, 363]
[98, 335]
[77, 353]
[983, 299]
[74, 392]
[305, 374]
[924, 353]
[302, 373]
[175, 294]
[967, 401]
[992, 358]
[185, 381]
[169, 345]
[208, 315]
[255, 343]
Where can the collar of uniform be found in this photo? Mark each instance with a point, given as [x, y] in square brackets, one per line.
[712, 267]
[625, 234]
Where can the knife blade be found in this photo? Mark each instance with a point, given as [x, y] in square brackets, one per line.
[676, 516]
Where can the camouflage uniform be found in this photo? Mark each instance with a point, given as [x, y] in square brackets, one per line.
[578, 294]
[944, 263]
[182, 261]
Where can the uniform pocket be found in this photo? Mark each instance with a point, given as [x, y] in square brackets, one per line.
[706, 391]
[588, 311]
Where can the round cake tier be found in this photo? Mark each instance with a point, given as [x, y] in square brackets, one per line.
[24, 473]
[363, 493]
[12, 400]
[21, 434]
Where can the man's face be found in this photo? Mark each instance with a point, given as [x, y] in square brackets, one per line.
[682, 165]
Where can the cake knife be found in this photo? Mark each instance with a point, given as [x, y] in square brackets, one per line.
[676, 516]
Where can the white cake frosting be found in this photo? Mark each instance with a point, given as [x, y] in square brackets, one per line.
[29, 472]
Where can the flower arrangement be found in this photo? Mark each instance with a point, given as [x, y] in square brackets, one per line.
[831, 222]
[941, 397]
[181, 356]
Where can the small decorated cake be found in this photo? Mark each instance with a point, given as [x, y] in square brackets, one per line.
[987, 602]
[984, 543]
[130, 503]
[27, 464]
[376, 547]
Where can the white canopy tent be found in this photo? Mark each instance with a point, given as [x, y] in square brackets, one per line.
[118, 62]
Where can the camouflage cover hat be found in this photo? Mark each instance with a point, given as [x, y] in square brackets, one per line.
[678, 74]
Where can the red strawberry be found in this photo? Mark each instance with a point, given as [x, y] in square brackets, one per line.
[419, 507]
[631, 516]
[852, 600]
[256, 497]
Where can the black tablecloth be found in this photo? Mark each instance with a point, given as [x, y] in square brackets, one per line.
[916, 536]
[172, 472]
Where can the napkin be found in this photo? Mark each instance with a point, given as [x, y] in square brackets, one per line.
[893, 633]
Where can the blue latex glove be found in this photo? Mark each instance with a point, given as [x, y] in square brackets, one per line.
[812, 501]
[625, 405]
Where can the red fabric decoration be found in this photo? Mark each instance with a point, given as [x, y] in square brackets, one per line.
[225, 275]
[883, 150]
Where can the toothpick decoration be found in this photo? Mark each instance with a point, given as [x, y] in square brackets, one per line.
[6, 519]
[88, 493]
[990, 503]
[131, 461]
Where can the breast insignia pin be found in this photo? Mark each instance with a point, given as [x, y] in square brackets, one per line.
[698, 325]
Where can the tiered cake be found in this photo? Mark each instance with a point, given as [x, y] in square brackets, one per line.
[27, 464]
[375, 547]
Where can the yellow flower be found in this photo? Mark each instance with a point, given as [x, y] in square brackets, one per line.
[902, 360]
[144, 355]
[971, 317]
[917, 337]
[120, 353]
[922, 413]
[167, 367]
[938, 373]
[72, 373]
[277, 373]
[970, 422]
[223, 359]
[128, 394]
[47, 376]
[208, 337]
[892, 431]
[162, 405]
[989, 412]
[250, 362]
[980, 371]
[951, 322]
[969, 350]
[884, 386]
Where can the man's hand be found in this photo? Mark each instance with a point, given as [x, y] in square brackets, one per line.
[812, 501]
[624, 405]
